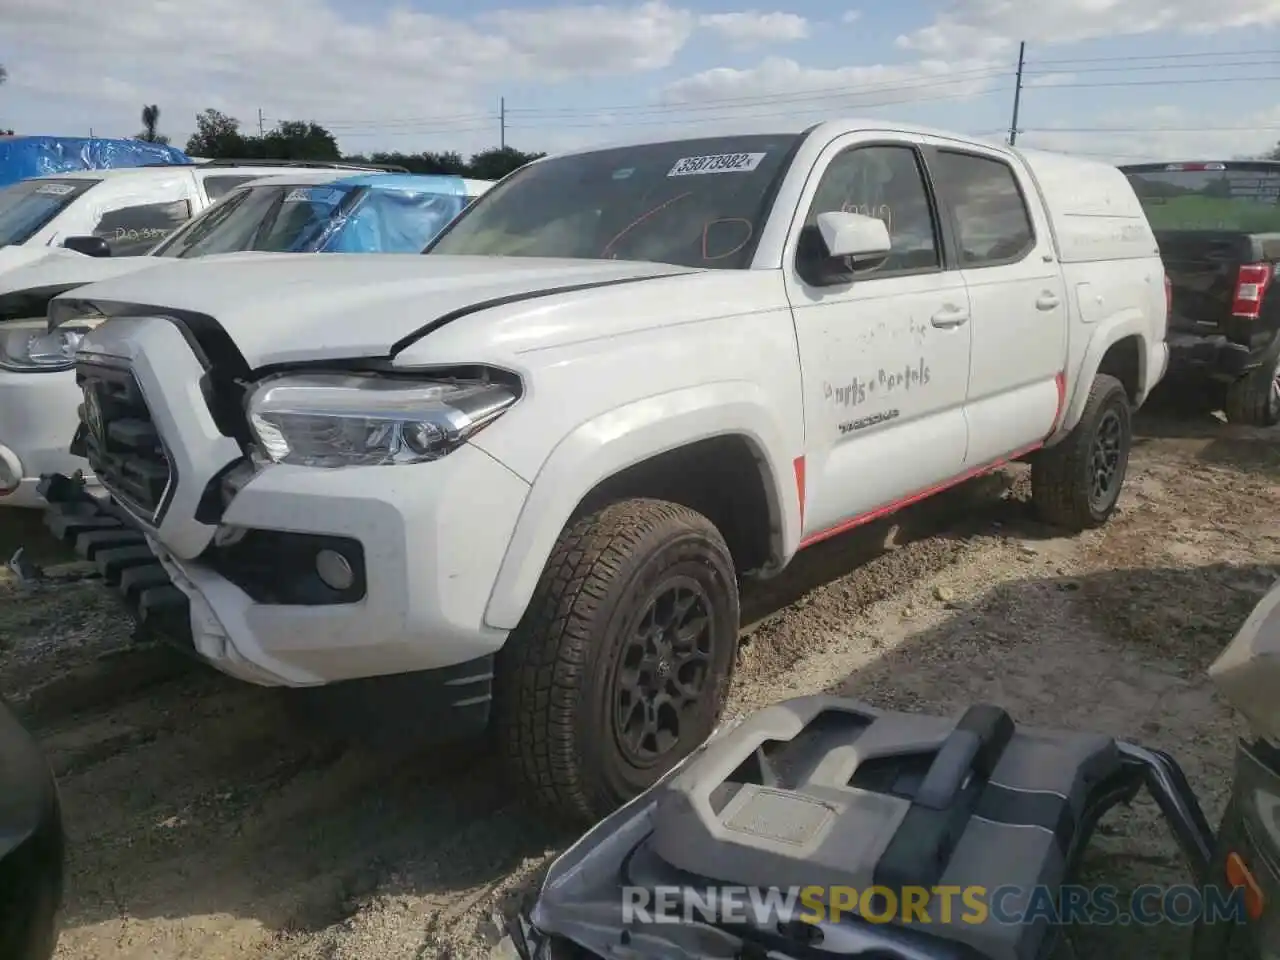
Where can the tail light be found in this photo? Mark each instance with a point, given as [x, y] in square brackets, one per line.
[1251, 286]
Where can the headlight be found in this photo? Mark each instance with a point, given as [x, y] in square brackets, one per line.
[336, 420]
[28, 345]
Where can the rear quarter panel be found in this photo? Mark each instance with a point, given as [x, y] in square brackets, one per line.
[1111, 266]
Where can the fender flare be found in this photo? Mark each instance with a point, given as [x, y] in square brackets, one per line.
[1127, 324]
[623, 437]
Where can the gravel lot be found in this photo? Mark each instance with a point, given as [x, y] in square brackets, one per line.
[207, 823]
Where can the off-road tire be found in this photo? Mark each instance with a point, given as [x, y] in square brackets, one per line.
[1253, 400]
[1060, 475]
[554, 683]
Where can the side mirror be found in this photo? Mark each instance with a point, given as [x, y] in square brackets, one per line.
[89, 246]
[831, 251]
[862, 239]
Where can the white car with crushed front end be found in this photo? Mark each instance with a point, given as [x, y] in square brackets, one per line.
[533, 465]
[295, 210]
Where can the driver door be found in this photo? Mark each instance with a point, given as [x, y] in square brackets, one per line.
[884, 350]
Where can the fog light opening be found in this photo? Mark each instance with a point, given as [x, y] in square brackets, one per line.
[335, 570]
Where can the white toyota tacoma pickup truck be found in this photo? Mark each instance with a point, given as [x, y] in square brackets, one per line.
[532, 466]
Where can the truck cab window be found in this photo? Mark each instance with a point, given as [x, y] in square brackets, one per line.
[883, 182]
[991, 220]
[133, 231]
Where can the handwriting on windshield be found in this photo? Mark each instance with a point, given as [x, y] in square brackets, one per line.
[882, 383]
[120, 234]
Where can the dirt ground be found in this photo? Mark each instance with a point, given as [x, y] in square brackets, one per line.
[206, 824]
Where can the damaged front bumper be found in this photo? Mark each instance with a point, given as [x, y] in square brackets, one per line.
[104, 534]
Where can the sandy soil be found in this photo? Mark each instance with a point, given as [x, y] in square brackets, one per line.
[206, 823]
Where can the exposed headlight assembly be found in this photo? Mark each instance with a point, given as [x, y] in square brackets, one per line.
[28, 346]
[348, 420]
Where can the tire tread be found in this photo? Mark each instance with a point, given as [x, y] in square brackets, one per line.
[1055, 473]
[541, 666]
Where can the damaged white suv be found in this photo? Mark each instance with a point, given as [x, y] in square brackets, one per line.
[534, 464]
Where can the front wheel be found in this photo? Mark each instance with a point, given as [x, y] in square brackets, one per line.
[1254, 399]
[621, 664]
[1076, 484]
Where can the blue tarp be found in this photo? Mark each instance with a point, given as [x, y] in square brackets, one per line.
[22, 157]
[400, 213]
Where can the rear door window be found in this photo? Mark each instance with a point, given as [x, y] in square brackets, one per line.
[134, 231]
[991, 220]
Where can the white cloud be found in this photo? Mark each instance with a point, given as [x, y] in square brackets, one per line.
[989, 27]
[1162, 133]
[782, 86]
[305, 59]
[748, 28]
[851, 16]
[1048, 79]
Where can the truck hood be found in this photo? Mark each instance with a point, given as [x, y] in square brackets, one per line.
[13, 257]
[281, 308]
[56, 267]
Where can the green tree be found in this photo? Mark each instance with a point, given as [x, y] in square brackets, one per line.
[296, 140]
[496, 162]
[217, 137]
[150, 120]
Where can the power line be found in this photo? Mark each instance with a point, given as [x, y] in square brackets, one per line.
[662, 114]
[1157, 66]
[844, 98]
[1162, 56]
[825, 108]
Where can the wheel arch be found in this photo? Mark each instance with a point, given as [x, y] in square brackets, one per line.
[1119, 349]
[690, 446]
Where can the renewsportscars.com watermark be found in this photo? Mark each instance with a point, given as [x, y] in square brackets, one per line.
[1069, 904]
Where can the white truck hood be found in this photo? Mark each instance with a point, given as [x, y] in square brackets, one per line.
[280, 308]
[55, 267]
[14, 257]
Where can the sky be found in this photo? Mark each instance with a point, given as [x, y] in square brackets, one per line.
[1123, 80]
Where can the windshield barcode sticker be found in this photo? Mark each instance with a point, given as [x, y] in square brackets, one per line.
[302, 195]
[54, 189]
[720, 163]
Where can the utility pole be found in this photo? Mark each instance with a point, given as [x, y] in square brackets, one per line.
[1017, 93]
[502, 122]
[262, 130]
[91, 133]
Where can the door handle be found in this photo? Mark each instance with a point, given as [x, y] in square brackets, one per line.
[1047, 301]
[949, 317]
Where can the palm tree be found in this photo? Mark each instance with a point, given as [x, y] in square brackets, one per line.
[150, 120]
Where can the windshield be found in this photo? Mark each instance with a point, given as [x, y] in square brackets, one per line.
[1211, 196]
[28, 206]
[317, 218]
[695, 203]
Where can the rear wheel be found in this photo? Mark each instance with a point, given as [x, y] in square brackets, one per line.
[622, 662]
[1076, 483]
[1254, 399]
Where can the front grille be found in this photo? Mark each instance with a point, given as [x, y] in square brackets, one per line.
[120, 440]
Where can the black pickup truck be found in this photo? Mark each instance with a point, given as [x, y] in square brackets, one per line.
[1218, 226]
